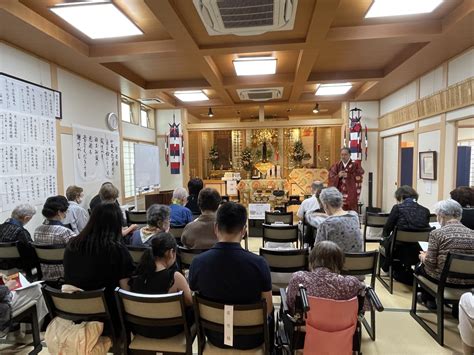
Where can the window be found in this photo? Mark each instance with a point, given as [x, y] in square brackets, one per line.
[127, 112]
[144, 119]
[128, 161]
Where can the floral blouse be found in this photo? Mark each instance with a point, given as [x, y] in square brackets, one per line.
[323, 283]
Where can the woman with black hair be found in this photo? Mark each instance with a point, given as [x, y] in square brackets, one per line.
[52, 231]
[97, 258]
[156, 274]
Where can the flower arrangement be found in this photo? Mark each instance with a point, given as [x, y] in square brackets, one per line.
[298, 154]
[246, 159]
[213, 155]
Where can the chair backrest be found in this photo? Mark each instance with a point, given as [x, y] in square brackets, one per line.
[284, 217]
[247, 319]
[412, 236]
[177, 231]
[86, 305]
[375, 219]
[459, 266]
[136, 217]
[433, 217]
[9, 250]
[50, 254]
[280, 234]
[136, 252]
[151, 310]
[358, 264]
[186, 256]
[330, 326]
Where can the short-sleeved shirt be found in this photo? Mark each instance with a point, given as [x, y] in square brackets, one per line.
[180, 215]
[105, 268]
[308, 205]
[229, 274]
[343, 230]
[76, 216]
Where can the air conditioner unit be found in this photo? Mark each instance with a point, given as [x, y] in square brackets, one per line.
[261, 94]
[246, 17]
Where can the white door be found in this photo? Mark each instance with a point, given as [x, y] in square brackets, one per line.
[390, 171]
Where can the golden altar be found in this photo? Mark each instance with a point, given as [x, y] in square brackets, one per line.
[300, 180]
[261, 191]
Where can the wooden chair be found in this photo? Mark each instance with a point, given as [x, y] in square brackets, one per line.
[247, 320]
[166, 310]
[363, 264]
[177, 231]
[9, 253]
[28, 314]
[399, 239]
[136, 252]
[283, 263]
[186, 257]
[50, 254]
[283, 217]
[280, 234]
[376, 220]
[136, 217]
[458, 266]
[81, 306]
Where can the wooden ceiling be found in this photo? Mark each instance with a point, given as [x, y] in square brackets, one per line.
[331, 42]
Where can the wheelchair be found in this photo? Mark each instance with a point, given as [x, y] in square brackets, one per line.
[339, 325]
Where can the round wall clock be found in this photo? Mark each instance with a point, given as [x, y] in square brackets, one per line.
[112, 121]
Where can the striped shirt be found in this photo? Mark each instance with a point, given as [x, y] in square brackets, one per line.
[454, 238]
[52, 232]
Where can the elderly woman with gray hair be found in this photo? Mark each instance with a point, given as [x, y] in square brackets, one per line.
[13, 230]
[158, 220]
[341, 227]
[452, 237]
[180, 215]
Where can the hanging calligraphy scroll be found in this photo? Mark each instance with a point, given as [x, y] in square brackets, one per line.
[27, 142]
[96, 154]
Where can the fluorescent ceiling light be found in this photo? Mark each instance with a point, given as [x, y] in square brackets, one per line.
[97, 19]
[333, 89]
[255, 65]
[191, 95]
[385, 8]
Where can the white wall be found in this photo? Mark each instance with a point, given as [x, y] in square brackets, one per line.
[399, 98]
[163, 119]
[428, 189]
[370, 114]
[431, 82]
[135, 132]
[83, 102]
[461, 68]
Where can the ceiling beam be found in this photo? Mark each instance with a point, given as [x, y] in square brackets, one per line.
[403, 56]
[265, 124]
[253, 47]
[125, 72]
[167, 15]
[412, 31]
[364, 88]
[323, 15]
[185, 84]
[352, 75]
[120, 52]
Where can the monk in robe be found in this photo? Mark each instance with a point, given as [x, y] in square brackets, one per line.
[346, 175]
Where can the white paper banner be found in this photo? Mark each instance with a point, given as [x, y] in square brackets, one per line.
[96, 154]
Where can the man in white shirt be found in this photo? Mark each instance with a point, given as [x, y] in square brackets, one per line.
[76, 216]
[312, 203]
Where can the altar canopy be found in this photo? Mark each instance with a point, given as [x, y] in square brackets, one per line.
[300, 180]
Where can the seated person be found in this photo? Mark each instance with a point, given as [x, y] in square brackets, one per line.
[156, 275]
[158, 220]
[311, 204]
[466, 322]
[194, 187]
[180, 215]
[13, 230]
[11, 300]
[76, 216]
[324, 279]
[230, 274]
[465, 196]
[109, 194]
[200, 233]
[52, 231]
[406, 214]
[340, 227]
[452, 237]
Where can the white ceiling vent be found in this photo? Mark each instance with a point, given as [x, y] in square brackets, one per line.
[151, 101]
[246, 17]
[263, 94]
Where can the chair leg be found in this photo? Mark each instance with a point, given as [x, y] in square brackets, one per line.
[440, 319]
[389, 285]
[365, 235]
[35, 332]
